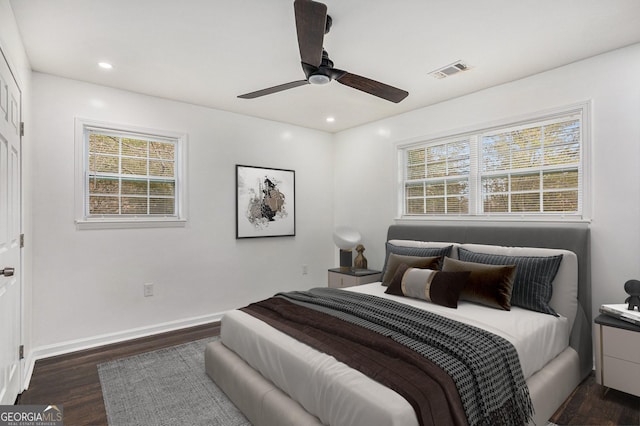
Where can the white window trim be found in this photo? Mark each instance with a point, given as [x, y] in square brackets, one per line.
[585, 107]
[110, 222]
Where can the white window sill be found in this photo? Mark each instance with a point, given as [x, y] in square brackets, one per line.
[129, 223]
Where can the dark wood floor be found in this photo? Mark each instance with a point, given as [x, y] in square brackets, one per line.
[589, 404]
[72, 381]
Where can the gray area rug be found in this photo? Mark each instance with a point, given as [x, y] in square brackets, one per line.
[165, 387]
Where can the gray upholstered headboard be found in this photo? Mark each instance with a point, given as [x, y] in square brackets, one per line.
[573, 237]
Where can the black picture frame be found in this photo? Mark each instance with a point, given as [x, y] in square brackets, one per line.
[265, 202]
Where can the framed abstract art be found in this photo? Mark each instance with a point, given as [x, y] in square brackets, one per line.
[265, 202]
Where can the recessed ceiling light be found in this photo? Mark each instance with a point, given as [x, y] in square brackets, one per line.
[105, 65]
[330, 119]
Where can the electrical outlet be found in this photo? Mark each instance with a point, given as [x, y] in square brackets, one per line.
[305, 269]
[148, 290]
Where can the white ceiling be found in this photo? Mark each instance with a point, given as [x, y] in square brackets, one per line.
[206, 52]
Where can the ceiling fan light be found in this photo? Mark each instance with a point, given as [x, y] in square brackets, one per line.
[319, 79]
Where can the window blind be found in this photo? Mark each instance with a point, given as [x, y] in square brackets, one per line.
[129, 174]
[533, 167]
[437, 178]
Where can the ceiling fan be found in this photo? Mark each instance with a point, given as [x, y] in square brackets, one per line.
[312, 23]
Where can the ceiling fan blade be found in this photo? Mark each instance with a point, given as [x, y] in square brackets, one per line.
[372, 87]
[273, 89]
[311, 21]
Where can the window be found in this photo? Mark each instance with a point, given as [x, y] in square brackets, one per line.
[129, 176]
[532, 168]
[437, 178]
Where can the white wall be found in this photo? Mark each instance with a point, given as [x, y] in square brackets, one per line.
[89, 283]
[365, 194]
[13, 49]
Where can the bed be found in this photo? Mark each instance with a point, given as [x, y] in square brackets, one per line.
[277, 380]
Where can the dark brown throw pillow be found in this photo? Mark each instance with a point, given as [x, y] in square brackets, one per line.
[395, 260]
[489, 285]
[441, 288]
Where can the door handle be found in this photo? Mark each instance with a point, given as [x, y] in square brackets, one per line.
[7, 272]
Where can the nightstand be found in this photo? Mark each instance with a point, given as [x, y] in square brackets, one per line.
[341, 277]
[617, 350]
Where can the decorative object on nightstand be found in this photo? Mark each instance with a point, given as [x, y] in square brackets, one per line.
[361, 261]
[632, 287]
[348, 277]
[621, 312]
[346, 239]
[617, 350]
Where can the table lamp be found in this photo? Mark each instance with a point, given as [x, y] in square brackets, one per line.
[346, 239]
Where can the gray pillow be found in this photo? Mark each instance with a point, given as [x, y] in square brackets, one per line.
[532, 287]
[415, 251]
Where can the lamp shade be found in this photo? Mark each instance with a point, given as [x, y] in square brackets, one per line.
[345, 237]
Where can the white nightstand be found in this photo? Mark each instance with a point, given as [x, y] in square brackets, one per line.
[617, 350]
[341, 277]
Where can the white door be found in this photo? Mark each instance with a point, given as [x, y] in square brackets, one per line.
[10, 286]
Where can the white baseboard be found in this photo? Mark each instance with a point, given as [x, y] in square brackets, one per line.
[62, 348]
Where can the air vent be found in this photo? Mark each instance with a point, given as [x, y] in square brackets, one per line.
[450, 70]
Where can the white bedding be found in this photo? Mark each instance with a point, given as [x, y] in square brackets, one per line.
[337, 394]
[538, 338]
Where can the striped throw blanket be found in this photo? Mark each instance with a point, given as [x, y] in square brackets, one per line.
[484, 367]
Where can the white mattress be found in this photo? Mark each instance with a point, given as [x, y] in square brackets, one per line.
[339, 395]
